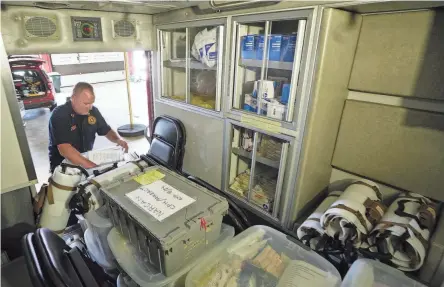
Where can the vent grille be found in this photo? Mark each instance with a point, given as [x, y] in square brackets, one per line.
[41, 27]
[124, 29]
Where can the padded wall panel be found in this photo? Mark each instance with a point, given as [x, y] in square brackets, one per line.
[397, 146]
[401, 54]
[204, 147]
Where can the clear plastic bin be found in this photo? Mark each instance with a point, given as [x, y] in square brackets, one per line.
[369, 273]
[262, 256]
[136, 265]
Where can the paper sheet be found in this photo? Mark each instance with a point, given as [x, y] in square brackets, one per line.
[159, 199]
[149, 177]
[104, 156]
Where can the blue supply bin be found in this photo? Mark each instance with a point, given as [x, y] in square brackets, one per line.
[274, 47]
[248, 47]
[285, 93]
[288, 47]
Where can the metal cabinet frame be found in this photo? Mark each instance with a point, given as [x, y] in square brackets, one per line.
[298, 99]
[280, 191]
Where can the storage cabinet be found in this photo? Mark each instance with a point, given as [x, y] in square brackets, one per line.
[191, 60]
[257, 93]
[256, 167]
[266, 61]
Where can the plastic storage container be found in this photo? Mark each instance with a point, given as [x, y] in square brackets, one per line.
[140, 207]
[368, 273]
[137, 266]
[262, 256]
[96, 238]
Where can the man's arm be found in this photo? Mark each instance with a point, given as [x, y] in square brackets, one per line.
[105, 129]
[112, 136]
[74, 156]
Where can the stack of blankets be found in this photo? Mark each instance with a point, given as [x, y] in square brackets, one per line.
[356, 221]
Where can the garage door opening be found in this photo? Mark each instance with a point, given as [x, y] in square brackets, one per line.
[44, 81]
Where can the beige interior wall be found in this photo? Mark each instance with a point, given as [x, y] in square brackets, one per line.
[394, 140]
[13, 171]
[338, 39]
[205, 141]
[16, 43]
[398, 146]
[401, 54]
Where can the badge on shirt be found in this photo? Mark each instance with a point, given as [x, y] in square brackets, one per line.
[91, 120]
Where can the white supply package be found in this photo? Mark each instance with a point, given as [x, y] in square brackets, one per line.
[265, 88]
[204, 48]
[276, 110]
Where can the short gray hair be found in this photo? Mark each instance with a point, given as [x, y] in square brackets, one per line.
[80, 86]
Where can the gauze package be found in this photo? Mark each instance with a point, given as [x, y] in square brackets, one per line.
[204, 48]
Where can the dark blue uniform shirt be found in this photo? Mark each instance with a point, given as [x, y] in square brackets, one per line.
[65, 126]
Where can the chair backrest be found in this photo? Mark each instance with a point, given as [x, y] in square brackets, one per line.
[53, 263]
[54, 259]
[168, 141]
[32, 261]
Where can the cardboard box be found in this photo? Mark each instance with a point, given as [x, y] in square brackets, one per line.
[248, 47]
[276, 110]
[250, 103]
[285, 93]
[274, 47]
[288, 47]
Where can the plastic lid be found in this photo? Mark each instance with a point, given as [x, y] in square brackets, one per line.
[136, 265]
[368, 273]
[98, 221]
[96, 251]
[262, 256]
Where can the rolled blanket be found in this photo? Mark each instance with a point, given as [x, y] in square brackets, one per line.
[311, 231]
[401, 237]
[351, 218]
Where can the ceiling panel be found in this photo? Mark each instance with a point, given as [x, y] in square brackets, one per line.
[139, 7]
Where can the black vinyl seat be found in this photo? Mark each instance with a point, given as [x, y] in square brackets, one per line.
[53, 263]
[168, 140]
[32, 261]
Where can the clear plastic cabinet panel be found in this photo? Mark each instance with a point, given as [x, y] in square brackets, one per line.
[191, 64]
[266, 71]
[256, 168]
[173, 46]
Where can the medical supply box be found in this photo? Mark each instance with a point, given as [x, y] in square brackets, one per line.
[169, 218]
[263, 256]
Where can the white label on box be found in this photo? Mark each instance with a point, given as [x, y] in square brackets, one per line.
[159, 199]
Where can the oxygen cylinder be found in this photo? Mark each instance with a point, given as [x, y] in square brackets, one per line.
[61, 187]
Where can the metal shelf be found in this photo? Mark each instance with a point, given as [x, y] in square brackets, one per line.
[263, 160]
[271, 64]
[181, 63]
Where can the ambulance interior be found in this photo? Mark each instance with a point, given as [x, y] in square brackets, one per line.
[317, 123]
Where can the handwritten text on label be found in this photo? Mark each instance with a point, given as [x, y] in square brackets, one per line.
[159, 199]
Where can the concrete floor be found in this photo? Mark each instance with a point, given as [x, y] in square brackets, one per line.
[111, 100]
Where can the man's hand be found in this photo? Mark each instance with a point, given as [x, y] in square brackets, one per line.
[123, 144]
[74, 156]
[113, 137]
